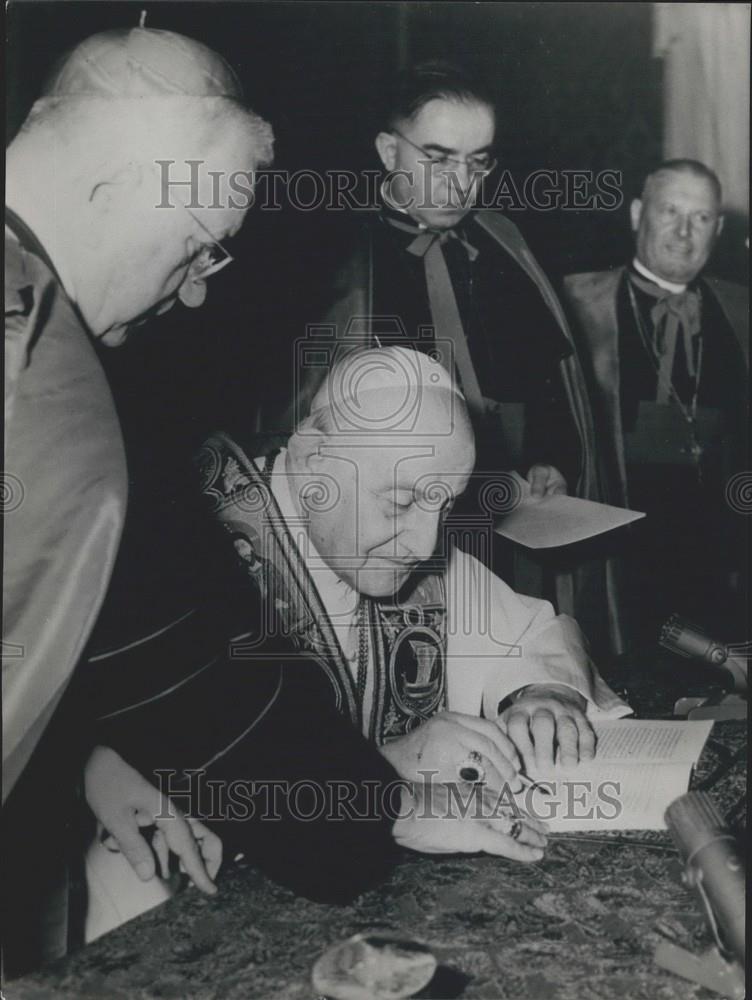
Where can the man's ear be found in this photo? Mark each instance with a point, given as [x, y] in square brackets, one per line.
[719, 226]
[111, 188]
[635, 213]
[304, 447]
[386, 147]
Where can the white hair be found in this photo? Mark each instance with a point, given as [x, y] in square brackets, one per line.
[148, 128]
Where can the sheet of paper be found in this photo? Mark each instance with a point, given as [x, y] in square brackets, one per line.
[640, 767]
[627, 797]
[549, 522]
[650, 740]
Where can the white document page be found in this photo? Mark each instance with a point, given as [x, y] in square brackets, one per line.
[639, 768]
[549, 522]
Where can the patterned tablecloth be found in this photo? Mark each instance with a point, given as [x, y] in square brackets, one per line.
[581, 924]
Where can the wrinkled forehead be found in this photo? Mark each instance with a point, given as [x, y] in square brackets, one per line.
[680, 186]
[410, 461]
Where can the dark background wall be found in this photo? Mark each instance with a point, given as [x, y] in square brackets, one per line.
[577, 89]
[576, 83]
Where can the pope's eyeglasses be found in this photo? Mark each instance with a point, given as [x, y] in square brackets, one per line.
[478, 164]
[212, 256]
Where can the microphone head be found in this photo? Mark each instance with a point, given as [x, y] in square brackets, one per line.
[680, 636]
[694, 822]
[714, 866]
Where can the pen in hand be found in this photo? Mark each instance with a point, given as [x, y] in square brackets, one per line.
[529, 783]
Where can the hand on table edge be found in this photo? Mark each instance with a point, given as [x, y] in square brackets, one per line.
[124, 802]
[434, 822]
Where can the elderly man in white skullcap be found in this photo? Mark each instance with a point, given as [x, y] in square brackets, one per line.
[433, 657]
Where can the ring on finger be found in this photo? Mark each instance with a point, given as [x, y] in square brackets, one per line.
[471, 769]
[515, 829]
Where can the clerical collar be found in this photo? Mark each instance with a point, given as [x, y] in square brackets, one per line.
[389, 205]
[670, 286]
[392, 206]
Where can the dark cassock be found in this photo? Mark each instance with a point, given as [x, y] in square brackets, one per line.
[475, 297]
[159, 683]
[168, 681]
[669, 379]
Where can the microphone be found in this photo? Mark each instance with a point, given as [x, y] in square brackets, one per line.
[680, 636]
[713, 865]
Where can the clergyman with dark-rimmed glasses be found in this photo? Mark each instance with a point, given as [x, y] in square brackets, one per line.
[430, 269]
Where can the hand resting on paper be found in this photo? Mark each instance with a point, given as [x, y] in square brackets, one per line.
[544, 719]
[437, 750]
[125, 803]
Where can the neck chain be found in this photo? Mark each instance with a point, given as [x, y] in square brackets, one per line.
[688, 412]
[363, 629]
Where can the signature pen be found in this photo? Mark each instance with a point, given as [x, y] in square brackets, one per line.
[529, 783]
[475, 775]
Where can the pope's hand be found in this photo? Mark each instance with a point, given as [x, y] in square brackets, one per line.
[546, 481]
[124, 803]
[437, 819]
[443, 744]
[545, 718]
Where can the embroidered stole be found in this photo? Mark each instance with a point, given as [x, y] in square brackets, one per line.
[403, 641]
